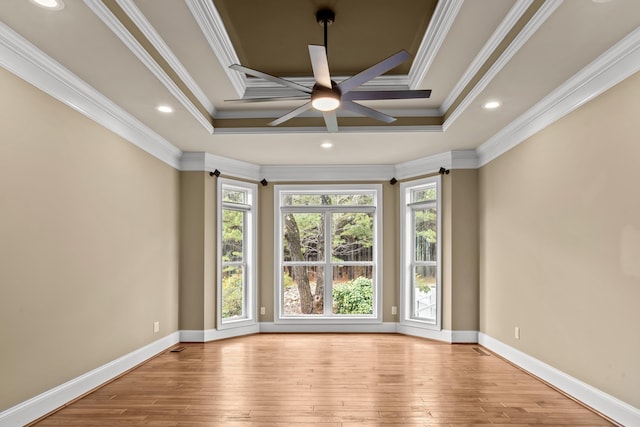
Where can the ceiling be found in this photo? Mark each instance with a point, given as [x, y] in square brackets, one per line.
[134, 55]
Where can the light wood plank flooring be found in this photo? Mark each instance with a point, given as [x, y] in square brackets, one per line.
[325, 379]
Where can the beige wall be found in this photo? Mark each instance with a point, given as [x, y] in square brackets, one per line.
[460, 250]
[88, 244]
[197, 251]
[464, 250]
[560, 244]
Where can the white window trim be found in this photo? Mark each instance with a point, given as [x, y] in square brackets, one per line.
[250, 242]
[406, 252]
[377, 250]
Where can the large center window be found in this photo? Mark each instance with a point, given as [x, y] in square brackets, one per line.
[327, 245]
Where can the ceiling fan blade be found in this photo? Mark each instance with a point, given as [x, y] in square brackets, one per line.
[260, 74]
[366, 111]
[281, 98]
[373, 71]
[331, 120]
[320, 65]
[291, 114]
[362, 95]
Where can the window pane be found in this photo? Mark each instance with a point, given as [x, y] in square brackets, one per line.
[234, 196]
[314, 199]
[425, 234]
[303, 290]
[423, 194]
[303, 237]
[232, 239]
[232, 291]
[352, 290]
[352, 236]
[424, 297]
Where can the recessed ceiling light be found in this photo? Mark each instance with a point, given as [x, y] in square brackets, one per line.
[164, 109]
[326, 145]
[491, 105]
[602, 1]
[49, 4]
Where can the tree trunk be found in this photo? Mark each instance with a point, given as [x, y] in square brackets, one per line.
[292, 234]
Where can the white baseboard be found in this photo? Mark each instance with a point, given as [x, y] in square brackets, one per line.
[217, 334]
[602, 402]
[464, 337]
[192, 336]
[220, 334]
[387, 327]
[40, 405]
[442, 335]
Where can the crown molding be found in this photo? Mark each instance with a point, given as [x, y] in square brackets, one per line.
[328, 173]
[322, 129]
[105, 15]
[487, 50]
[441, 21]
[274, 113]
[208, 19]
[616, 64]
[138, 18]
[456, 159]
[26, 61]
[203, 162]
[545, 11]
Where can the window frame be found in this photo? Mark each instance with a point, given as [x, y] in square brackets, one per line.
[280, 191]
[249, 249]
[407, 251]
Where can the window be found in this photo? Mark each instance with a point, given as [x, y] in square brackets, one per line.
[420, 224]
[236, 253]
[327, 240]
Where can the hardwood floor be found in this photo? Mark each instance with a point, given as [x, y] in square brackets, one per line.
[325, 379]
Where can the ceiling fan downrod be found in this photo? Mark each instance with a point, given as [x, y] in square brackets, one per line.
[325, 17]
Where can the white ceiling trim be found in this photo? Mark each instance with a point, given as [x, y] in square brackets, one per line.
[512, 17]
[616, 64]
[441, 21]
[129, 41]
[199, 161]
[458, 159]
[274, 113]
[532, 26]
[152, 35]
[328, 173]
[210, 23]
[26, 61]
[322, 129]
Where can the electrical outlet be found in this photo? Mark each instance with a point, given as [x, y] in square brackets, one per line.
[263, 311]
[394, 310]
[516, 332]
[156, 327]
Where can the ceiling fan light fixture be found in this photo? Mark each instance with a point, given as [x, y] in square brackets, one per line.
[324, 98]
[325, 103]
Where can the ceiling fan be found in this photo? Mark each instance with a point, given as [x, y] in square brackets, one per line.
[326, 95]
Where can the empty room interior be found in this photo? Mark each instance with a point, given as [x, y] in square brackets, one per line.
[319, 212]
